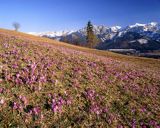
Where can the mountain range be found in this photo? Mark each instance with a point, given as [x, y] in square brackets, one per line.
[138, 36]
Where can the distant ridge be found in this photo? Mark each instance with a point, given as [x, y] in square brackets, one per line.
[138, 36]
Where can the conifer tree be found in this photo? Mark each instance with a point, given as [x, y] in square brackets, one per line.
[91, 37]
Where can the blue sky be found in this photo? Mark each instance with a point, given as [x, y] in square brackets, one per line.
[55, 15]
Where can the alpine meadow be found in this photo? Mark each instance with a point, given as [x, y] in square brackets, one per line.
[95, 77]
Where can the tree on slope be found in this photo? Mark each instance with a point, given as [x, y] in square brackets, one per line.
[16, 26]
[91, 37]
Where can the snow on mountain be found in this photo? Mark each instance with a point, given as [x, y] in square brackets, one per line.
[137, 25]
[143, 41]
[52, 34]
[97, 29]
[151, 30]
[153, 23]
[115, 28]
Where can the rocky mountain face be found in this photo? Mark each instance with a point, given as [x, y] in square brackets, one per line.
[137, 36]
[131, 40]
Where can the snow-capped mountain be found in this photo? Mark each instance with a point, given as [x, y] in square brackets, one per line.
[131, 40]
[52, 34]
[139, 33]
[105, 33]
[139, 36]
[102, 31]
[151, 30]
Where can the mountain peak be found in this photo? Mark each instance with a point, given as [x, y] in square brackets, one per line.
[116, 28]
[137, 25]
[153, 23]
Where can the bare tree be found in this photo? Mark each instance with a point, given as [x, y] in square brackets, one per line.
[16, 26]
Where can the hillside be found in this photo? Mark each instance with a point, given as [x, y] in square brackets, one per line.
[46, 83]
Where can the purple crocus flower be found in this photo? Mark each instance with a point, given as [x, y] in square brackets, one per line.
[1, 90]
[36, 110]
[23, 99]
[54, 107]
[2, 101]
[16, 106]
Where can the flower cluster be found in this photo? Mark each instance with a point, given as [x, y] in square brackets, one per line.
[95, 102]
[57, 102]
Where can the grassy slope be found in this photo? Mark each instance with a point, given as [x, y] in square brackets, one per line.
[47, 83]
